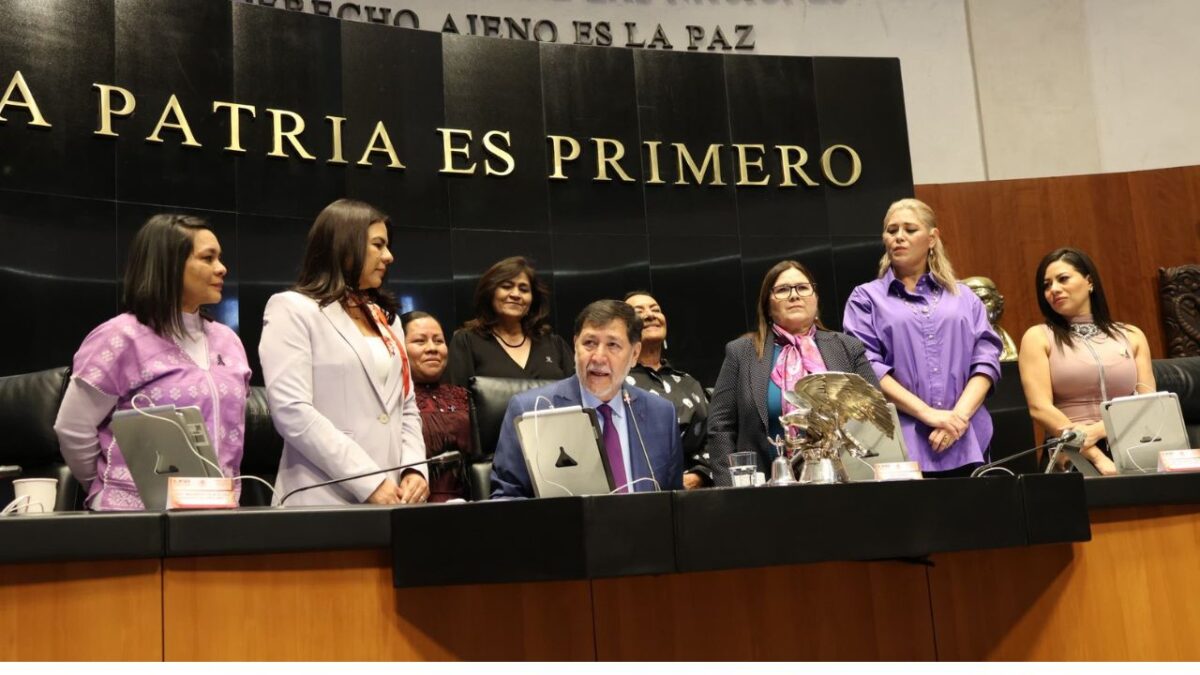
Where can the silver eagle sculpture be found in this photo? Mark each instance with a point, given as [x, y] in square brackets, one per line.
[815, 431]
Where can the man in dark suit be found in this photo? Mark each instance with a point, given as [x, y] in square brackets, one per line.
[640, 436]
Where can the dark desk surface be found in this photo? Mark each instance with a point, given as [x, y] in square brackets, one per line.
[81, 535]
[268, 529]
[1143, 490]
[595, 537]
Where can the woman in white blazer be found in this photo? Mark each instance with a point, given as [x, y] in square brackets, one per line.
[336, 371]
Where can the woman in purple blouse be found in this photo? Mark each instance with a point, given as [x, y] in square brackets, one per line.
[928, 339]
[162, 350]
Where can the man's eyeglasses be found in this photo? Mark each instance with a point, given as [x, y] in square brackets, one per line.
[785, 292]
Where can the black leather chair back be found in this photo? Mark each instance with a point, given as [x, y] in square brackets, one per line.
[489, 402]
[262, 449]
[1182, 376]
[28, 407]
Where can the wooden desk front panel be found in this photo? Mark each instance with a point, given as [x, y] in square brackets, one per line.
[826, 611]
[340, 605]
[108, 610]
[1132, 593]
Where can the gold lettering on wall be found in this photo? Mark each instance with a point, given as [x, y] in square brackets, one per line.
[557, 157]
[458, 146]
[498, 152]
[27, 101]
[335, 135]
[172, 109]
[291, 134]
[744, 164]
[449, 150]
[652, 147]
[790, 166]
[604, 161]
[235, 122]
[855, 165]
[380, 136]
[106, 108]
[711, 157]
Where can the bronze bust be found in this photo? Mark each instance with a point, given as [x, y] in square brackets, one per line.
[985, 288]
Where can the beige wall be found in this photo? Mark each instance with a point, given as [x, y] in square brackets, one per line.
[994, 89]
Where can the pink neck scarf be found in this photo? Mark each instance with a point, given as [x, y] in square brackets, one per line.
[799, 357]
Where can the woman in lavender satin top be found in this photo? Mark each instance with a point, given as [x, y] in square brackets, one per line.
[1063, 360]
[162, 351]
[929, 340]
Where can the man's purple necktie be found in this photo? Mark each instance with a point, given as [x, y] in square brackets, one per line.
[612, 448]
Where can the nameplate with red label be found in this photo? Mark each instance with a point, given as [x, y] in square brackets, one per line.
[898, 471]
[1178, 461]
[200, 493]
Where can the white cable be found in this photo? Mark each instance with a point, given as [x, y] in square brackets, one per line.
[537, 440]
[631, 483]
[15, 504]
[269, 486]
[1162, 401]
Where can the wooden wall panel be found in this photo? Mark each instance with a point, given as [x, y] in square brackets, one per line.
[1129, 594]
[340, 605]
[1130, 223]
[109, 610]
[828, 611]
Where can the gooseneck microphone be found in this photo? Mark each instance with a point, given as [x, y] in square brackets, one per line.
[444, 458]
[1072, 439]
[641, 441]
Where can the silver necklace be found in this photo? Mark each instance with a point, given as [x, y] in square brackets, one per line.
[925, 310]
[1087, 331]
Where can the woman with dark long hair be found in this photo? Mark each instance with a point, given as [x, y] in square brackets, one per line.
[162, 350]
[788, 344]
[1080, 357]
[337, 372]
[510, 333]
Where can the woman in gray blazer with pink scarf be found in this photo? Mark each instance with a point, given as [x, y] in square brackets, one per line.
[788, 344]
[336, 369]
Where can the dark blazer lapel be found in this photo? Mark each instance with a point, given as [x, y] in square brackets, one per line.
[344, 325]
[833, 353]
[760, 375]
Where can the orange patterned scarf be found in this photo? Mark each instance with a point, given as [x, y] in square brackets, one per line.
[391, 342]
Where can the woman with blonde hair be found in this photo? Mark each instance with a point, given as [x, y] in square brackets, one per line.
[929, 341]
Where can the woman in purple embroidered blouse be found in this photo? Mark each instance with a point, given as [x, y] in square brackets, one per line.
[929, 341]
[161, 350]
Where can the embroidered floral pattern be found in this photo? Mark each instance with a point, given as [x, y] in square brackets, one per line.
[126, 358]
